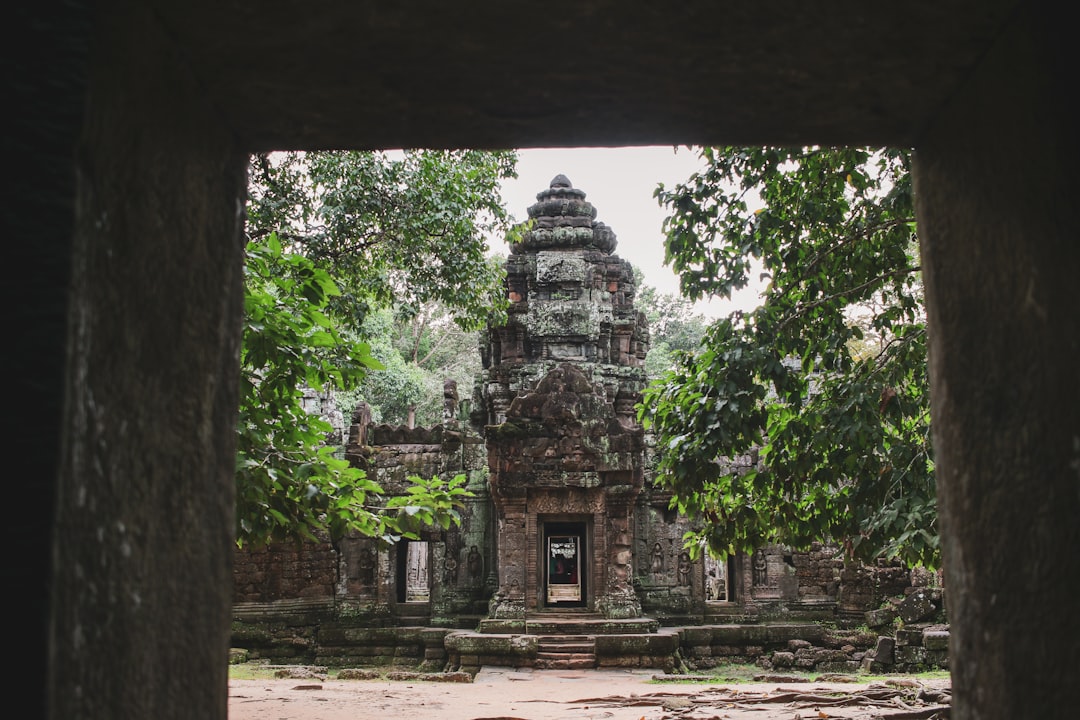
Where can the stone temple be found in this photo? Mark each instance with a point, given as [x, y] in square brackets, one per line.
[567, 555]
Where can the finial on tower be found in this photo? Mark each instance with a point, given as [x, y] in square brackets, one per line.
[561, 181]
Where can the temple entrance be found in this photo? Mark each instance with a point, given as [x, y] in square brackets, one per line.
[565, 565]
[717, 578]
[413, 577]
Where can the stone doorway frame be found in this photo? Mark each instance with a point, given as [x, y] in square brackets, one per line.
[547, 525]
[580, 530]
[401, 571]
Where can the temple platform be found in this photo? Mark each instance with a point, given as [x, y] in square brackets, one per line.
[568, 623]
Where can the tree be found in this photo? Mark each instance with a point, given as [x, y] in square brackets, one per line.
[359, 232]
[674, 327]
[420, 352]
[398, 229]
[290, 484]
[422, 347]
[823, 387]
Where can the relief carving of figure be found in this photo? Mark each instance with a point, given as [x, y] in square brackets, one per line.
[657, 558]
[475, 563]
[450, 400]
[761, 569]
[684, 568]
[366, 566]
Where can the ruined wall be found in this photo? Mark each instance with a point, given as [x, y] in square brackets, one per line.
[359, 574]
[284, 571]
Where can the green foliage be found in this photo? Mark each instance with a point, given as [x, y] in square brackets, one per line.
[334, 238]
[399, 229]
[674, 327]
[421, 351]
[825, 384]
[289, 482]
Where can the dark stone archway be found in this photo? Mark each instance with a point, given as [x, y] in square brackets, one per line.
[131, 124]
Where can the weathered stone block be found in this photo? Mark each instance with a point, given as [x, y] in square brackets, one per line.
[661, 643]
[916, 606]
[909, 636]
[481, 643]
[783, 659]
[880, 618]
[884, 653]
[560, 267]
[935, 639]
[826, 656]
[726, 650]
[911, 655]
[937, 658]
[693, 636]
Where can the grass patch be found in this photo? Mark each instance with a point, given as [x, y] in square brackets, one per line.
[251, 671]
[926, 675]
[732, 673]
[262, 670]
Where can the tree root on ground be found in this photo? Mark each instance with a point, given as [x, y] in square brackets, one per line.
[889, 703]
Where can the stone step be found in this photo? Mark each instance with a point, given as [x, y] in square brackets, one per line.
[566, 662]
[542, 655]
[566, 639]
[588, 626]
[566, 652]
[567, 624]
[588, 648]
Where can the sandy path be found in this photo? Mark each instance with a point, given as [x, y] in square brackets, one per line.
[507, 694]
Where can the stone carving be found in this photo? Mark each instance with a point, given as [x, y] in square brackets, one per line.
[761, 570]
[657, 555]
[715, 579]
[366, 566]
[684, 568]
[361, 420]
[475, 563]
[450, 566]
[450, 401]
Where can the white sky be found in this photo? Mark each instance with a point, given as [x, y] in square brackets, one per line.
[619, 182]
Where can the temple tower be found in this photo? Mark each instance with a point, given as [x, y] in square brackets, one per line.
[557, 395]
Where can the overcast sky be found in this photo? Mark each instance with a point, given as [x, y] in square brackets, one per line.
[619, 182]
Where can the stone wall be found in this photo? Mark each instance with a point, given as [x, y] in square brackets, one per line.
[284, 571]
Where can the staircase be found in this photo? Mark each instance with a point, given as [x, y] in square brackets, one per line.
[566, 652]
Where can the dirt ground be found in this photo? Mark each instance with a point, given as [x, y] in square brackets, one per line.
[508, 694]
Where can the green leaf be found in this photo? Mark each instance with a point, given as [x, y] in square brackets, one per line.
[826, 381]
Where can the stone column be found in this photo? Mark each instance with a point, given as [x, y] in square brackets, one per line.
[996, 185]
[509, 600]
[618, 599]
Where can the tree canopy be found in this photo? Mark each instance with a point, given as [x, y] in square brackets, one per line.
[335, 238]
[674, 326]
[807, 418]
[421, 350]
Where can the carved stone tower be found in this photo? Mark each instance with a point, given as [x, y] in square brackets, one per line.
[557, 396]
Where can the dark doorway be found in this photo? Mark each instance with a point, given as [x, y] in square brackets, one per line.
[565, 565]
[413, 576]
